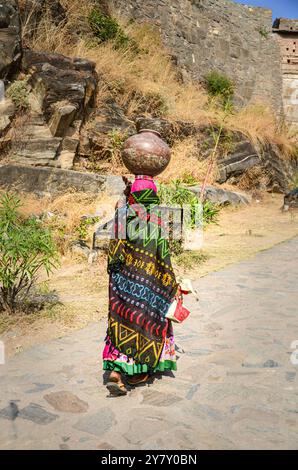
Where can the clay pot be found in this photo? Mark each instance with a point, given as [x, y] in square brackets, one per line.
[146, 153]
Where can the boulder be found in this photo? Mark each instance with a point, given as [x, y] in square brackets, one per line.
[222, 196]
[49, 181]
[169, 131]
[80, 247]
[163, 126]
[10, 41]
[270, 160]
[65, 87]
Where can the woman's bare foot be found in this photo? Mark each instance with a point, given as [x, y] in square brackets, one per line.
[115, 385]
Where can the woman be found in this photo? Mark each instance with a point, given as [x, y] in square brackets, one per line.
[142, 286]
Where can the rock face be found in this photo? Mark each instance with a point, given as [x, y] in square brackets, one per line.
[205, 35]
[277, 168]
[62, 91]
[65, 87]
[243, 157]
[10, 49]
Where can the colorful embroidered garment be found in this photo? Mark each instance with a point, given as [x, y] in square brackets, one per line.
[141, 288]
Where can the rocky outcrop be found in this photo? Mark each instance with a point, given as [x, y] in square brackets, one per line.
[222, 197]
[10, 48]
[62, 90]
[53, 181]
[269, 159]
[235, 164]
[65, 87]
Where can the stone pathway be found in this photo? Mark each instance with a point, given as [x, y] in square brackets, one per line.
[235, 387]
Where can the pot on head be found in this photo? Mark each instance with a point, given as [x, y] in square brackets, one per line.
[146, 153]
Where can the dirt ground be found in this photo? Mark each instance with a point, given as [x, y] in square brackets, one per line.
[82, 288]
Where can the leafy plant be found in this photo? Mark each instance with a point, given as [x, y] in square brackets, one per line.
[210, 212]
[82, 229]
[25, 248]
[106, 28]
[18, 92]
[176, 194]
[219, 85]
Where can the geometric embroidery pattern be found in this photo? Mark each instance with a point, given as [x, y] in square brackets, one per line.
[141, 285]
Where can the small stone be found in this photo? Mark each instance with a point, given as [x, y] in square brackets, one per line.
[67, 402]
[64, 447]
[37, 414]
[79, 247]
[10, 412]
[193, 389]
[270, 363]
[93, 255]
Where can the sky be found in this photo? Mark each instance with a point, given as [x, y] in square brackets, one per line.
[281, 8]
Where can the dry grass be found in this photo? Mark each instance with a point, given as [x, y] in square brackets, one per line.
[65, 214]
[260, 125]
[186, 162]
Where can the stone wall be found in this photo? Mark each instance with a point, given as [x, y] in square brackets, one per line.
[287, 36]
[218, 34]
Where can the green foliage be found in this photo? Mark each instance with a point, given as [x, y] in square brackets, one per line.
[25, 248]
[219, 85]
[210, 212]
[176, 194]
[82, 229]
[188, 179]
[106, 28]
[294, 182]
[117, 138]
[18, 92]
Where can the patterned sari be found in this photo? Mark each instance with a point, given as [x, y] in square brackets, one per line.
[142, 286]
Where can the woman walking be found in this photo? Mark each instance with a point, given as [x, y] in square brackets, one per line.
[142, 286]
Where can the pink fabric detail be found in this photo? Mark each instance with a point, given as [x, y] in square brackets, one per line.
[140, 184]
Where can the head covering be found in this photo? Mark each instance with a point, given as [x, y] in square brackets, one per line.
[143, 182]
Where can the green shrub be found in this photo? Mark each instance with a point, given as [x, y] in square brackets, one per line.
[25, 248]
[219, 85]
[106, 28]
[176, 194]
[82, 228]
[18, 92]
[210, 212]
